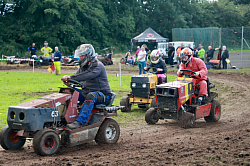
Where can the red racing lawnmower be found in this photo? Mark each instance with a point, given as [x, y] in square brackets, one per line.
[178, 100]
[45, 118]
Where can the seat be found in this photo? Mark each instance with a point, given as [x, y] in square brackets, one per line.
[102, 106]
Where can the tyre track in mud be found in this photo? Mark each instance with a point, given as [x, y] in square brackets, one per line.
[226, 142]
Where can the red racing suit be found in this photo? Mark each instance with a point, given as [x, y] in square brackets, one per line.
[197, 65]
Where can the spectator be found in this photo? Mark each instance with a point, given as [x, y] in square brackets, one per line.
[141, 59]
[92, 75]
[210, 53]
[57, 61]
[201, 53]
[189, 46]
[32, 49]
[224, 56]
[147, 51]
[137, 52]
[130, 59]
[178, 51]
[195, 52]
[46, 50]
[171, 51]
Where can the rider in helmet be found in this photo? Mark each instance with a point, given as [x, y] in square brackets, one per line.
[158, 66]
[92, 74]
[196, 65]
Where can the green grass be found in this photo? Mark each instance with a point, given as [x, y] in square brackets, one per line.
[20, 87]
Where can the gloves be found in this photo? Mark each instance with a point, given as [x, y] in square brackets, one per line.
[197, 74]
[159, 69]
[179, 72]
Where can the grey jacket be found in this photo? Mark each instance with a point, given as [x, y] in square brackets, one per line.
[93, 77]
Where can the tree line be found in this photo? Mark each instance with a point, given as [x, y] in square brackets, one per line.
[105, 23]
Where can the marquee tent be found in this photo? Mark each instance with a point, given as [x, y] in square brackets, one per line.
[149, 35]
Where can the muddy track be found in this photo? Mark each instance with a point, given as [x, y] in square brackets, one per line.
[226, 142]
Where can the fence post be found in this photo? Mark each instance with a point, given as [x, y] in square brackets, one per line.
[242, 45]
[120, 74]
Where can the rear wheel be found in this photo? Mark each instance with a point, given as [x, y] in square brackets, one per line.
[187, 120]
[125, 102]
[46, 142]
[151, 116]
[215, 112]
[9, 140]
[108, 133]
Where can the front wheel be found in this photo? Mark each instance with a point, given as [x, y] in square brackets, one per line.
[125, 102]
[9, 140]
[215, 112]
[46, 142]
[108, 133]
[151, 116]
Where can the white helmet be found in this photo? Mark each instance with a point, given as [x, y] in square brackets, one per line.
[155, 53]
[85, 49]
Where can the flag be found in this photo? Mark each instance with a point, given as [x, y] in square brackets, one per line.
[51, 68]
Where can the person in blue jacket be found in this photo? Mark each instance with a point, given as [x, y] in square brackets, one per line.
[32, 49]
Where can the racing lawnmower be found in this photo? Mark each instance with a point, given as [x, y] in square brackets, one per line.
[178, 100]
[143, 91]
[45, 118]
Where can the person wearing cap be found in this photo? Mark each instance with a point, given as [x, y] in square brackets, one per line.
[224, 57]
[46, 50]
[200, 69]
[158, 66]
[57, 61]
[137, 51]
[92, 75]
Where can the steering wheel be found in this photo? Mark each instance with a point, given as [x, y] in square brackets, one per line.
[153, 72]
[192, 74]
[74, 83]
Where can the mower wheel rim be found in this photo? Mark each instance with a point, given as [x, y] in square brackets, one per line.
[110, 132]
[49, 143]
[14, 138]
[217, 111]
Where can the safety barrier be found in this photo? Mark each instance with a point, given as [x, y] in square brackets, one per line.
[17, 59]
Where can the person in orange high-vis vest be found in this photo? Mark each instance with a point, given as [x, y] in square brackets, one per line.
[178, 51]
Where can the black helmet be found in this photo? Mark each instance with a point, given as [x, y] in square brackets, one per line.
[85, 49]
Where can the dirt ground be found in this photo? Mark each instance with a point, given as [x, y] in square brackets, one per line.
[226, 142]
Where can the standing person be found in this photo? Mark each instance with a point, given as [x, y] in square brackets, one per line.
[210, 53]
[189, 46]
[171, 51]
[46, 50]
[195, 53]
[92, 75]
[141, 59]
[178, 51]
[147, 51]
[137, 51]
[200, 69]
[201, 53]
[224, 56]
[57, 61]
[32, 49]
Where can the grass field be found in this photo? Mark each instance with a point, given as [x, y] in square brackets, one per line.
[19, 87]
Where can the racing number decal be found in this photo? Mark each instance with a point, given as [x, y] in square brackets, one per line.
[54, 114]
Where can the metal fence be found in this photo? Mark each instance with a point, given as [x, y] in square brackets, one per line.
[237, 41]
[214, 36]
